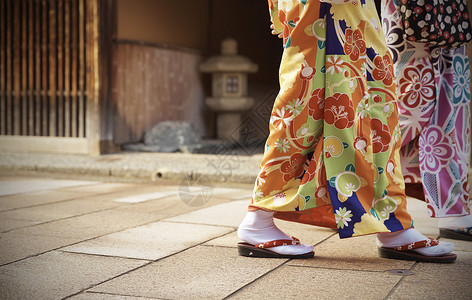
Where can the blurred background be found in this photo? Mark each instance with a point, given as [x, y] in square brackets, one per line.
[89, 76]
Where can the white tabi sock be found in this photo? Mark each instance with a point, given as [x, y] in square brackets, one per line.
[411, 235]
[259, 227]
[455, 222]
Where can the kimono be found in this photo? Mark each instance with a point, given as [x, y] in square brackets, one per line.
[433, 85]
[332, 156]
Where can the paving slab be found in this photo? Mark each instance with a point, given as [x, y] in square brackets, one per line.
[228, 240]
[102, 296]
[358, 253]
[11, 202]
[11, 224]
[56, 275]
[59, 210]
[14, 247]
[438, 281]
[41, 213]
[138, 198]
[291, 282]
[226, 214]
[19, 186]
[152, 241]
[166, 207]
[108, 187]
[201, 272]
[90, 225]
[113, 191]
[103, 222]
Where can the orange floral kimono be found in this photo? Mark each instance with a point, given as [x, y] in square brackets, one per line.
[332, 156]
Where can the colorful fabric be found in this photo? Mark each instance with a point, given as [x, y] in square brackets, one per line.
[439, 22]
[332, 156]
[434, 102]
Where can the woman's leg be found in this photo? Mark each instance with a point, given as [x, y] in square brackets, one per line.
[334, 138]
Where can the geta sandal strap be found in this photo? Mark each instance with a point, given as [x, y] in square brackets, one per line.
[416, 245]
[277, 243]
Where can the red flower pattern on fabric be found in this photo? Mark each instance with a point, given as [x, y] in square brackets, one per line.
[416, 86]
[293, 168]
[360, 143]
[380, 136]
[316, 104]
[339, 111]
[383, 69]
[307, 73]
[355, 44]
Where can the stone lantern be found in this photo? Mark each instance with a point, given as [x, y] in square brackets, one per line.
[229, 88]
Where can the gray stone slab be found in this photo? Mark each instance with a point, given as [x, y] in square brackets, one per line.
[99, 191]
[90, 225]
[116, 192]
[36, 198]
[104, 222]
[20, 186]
[59, 210]
[227, 240]
[357, 253]
[14, 247]
[152, 241]
[198, 273]
[82, 204]
[138, 198]
[289, 282]
[11, 224]
[438, 281]
[102, 296]
[225, 214]
[168, 207]
[109, 187]
[56, 275]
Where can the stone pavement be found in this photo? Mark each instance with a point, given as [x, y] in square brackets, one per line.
[228, 166]
[71, 238]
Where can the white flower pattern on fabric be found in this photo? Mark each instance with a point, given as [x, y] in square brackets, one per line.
[461, 80]
[435, 149]
[343, 217]
[283, 145]
[334, 64]
[281, 119]
[295, 106]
